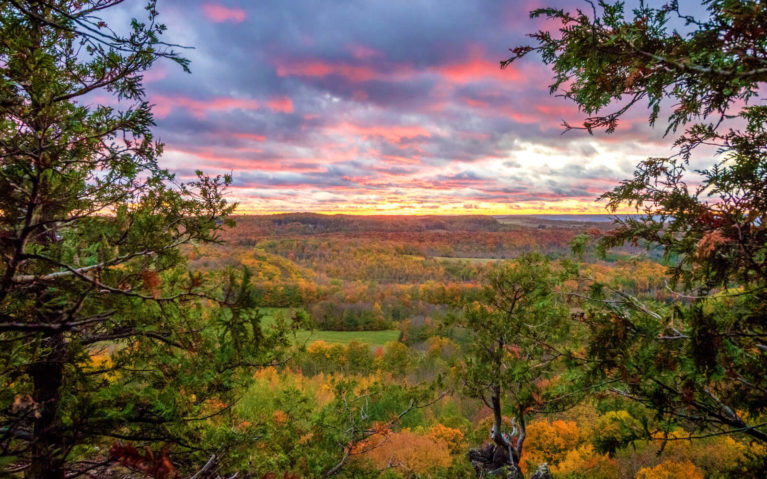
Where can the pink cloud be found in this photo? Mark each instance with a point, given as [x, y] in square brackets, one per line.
[367, 64]
[250, 136]
[521, 116]
[561, 110]
[225, 161]
[352, 71]
[163, 105]
[157, 73]
[477, 68]
[476, 103]
[282, 104]
[390, 133]
[473, 135]
[219, 13]
[318, 68]
[396, 161]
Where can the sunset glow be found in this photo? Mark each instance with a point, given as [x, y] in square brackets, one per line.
[386, 109]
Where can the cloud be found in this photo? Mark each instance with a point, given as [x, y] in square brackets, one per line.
[165, 105]
[281, 104]
[476, 67]
[390, 133]
[220, 14]
[379, 106]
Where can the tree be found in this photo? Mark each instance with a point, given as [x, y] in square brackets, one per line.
[359, 420]
[510, 359]
[105, 336]
[700, 362]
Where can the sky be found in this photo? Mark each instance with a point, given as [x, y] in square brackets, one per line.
[380, 107]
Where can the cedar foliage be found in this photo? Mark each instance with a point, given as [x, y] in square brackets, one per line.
[700, 362]
[90, 259]
[509, 361]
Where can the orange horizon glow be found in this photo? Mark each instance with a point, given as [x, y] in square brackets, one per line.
[416, 211]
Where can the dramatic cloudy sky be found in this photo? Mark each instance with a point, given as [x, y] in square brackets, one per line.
[382, 106]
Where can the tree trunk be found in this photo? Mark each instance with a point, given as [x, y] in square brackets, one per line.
[514, 450]
[48, 445]
[505, 452]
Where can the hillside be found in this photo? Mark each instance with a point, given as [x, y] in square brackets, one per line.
[380, 272]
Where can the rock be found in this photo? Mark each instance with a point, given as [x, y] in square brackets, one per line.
[493, 461]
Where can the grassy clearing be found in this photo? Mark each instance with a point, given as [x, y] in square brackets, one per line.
[373, 338]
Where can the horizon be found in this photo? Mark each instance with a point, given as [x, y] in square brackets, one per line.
[447, 215]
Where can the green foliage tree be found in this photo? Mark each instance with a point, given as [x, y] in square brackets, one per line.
[396, 358]
[104, 334]
[510, 357]
[699, 363]
[359, 359]
[356, 421]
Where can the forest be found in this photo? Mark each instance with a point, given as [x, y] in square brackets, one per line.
[149, 330]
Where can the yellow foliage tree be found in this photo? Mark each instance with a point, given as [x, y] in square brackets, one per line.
[451, 436]
[614, 431]
[550, 441]
[585, 463]
[410, 453]
[710, 455]
[671, 470]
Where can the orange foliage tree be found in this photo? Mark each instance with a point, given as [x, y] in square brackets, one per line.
[671, 470]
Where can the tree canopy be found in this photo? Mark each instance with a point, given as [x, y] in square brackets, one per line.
[510, 361]
[698, 362]
[104, 334]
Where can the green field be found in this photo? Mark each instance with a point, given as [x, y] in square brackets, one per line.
[373, 338]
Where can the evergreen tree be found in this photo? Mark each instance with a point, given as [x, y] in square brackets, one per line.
[104, 335]
[510, 357]
[699, 363]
